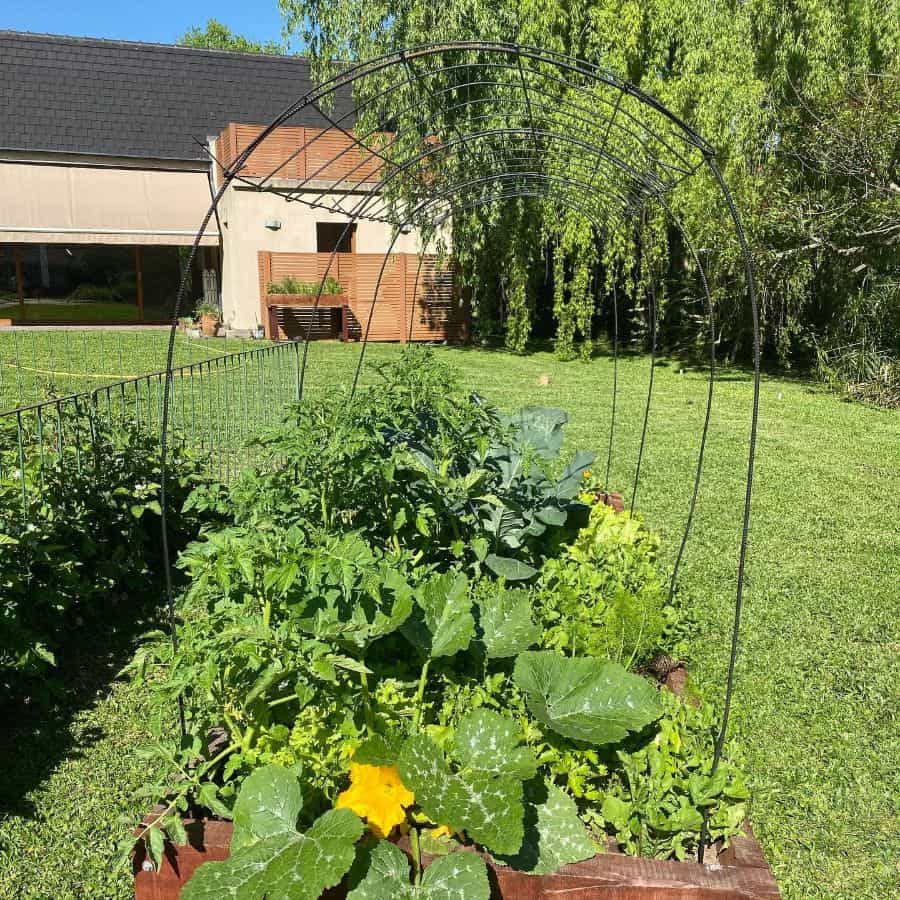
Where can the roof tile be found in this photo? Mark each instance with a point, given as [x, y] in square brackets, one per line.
[132, 99]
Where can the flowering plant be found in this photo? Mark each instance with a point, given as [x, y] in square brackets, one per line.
[480, 694]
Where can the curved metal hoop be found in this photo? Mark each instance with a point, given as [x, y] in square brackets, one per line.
[611, 160]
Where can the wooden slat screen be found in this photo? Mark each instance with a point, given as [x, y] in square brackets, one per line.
[424, 295]
[298, 153]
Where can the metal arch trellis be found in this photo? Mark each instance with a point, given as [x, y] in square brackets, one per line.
[616, 157]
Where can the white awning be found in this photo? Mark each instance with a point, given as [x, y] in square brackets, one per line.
[59, 204]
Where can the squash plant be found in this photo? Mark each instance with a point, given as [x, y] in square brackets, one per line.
[399, 614]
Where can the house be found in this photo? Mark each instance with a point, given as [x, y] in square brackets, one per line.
[110, 152]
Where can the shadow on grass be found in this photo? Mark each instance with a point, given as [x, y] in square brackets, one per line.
[37, 715]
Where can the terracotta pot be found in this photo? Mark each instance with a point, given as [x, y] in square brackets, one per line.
[739, 872]
[611, 498]
[209, 325]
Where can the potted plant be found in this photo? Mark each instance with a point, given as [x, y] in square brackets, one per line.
[289, 293]
[210, 317]
[420, 654]
[185, 323]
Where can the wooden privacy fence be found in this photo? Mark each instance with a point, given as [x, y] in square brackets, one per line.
[417, 298]
[300, 153]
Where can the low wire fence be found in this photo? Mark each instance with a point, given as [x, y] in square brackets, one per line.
[216, 407]
[39, 363]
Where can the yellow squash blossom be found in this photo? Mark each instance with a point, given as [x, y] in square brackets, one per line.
[376, 794]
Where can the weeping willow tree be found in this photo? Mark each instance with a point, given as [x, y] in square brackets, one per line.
[751, 76]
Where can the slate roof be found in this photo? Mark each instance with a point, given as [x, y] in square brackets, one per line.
[122, 98]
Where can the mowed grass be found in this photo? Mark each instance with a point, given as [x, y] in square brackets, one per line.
[37, 363]
[815, 720]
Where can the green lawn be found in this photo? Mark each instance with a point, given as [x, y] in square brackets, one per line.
[78, 311]
[816, 714]
[36, 362]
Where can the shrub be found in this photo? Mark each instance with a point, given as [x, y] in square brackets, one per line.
[290, 285]
[100, 293]
[88, 533]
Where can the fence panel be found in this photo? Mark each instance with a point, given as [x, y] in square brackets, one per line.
[216, 406]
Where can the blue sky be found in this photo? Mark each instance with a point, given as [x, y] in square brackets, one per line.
[160, 21]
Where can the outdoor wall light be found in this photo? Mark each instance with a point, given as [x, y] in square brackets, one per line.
[273, 224]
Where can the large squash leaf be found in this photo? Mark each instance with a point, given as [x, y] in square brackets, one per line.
[555, 836]
[458, 876]
[506, 623]
[585, 699]
[486, 741]
[487, 807]
[274, 861]
[444, 624]
[269, 803]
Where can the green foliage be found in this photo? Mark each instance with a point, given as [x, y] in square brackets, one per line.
[434, 468]
[655, 801]
[585, 699]
[861, 372]
[97, 292]
[806, 141]
[290, 285]
[606, 595]
[506, 624]
[207, 308]
[554, 832]
[486, 804]
[386, 876]
[445, 625]
[797, 762]
[88, 534]
[270, 858]
[218, 36]
[307, 596]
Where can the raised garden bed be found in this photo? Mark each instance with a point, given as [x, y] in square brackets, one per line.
[740, 871]
[461, 641]
[276, 302]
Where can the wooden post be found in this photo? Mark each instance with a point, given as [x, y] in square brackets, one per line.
[139, 277]
[264, 260]
[20, 278]
[404, 331]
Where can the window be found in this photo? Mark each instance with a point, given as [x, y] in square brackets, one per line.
[331, 236]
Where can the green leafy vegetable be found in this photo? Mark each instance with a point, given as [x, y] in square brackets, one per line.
[446, 613]
[486, 806]
[506, 624]
[457, 876]
[585, 699]
[273, 860]
[555, 836]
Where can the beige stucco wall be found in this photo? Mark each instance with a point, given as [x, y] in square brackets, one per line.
[244, 213]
